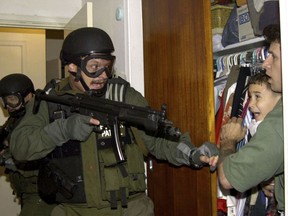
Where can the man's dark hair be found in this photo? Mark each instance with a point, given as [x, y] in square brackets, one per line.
[272, 33]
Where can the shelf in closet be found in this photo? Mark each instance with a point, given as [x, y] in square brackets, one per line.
[239, 47]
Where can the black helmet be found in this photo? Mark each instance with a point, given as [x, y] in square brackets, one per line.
[86, 41]
[16, 85]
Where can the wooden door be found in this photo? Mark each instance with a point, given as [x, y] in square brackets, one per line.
[178, 70]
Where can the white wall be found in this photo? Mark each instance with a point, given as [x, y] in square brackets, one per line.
[126, 32]
[63, 8]
[48, 14]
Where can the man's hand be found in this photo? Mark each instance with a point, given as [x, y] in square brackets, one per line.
[94, 121]
[75, 127]
[231, 133]
[233, 130]
[268, 188]
[206, 154]
[212, 161]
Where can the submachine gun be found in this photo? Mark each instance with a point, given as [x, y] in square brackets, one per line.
[111, 113]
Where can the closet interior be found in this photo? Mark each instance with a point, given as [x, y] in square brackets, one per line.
[238, 53]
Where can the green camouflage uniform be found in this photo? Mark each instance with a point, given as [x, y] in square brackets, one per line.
[24, 182]
[101, 177]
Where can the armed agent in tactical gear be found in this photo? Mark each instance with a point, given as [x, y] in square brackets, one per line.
[15, 92]
[81, 168]
[14, 89]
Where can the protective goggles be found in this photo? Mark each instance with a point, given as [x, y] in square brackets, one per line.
[11, 101]
[90, 65]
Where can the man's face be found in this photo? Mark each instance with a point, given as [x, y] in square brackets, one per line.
[97, 82]
[272, 64]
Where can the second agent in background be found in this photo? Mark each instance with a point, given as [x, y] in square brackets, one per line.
[104, 187]
[262, 158]
[16, 90]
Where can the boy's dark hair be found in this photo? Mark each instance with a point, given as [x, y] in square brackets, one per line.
[272, 33]
[259, 78]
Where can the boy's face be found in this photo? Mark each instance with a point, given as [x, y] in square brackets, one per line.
[262, 100]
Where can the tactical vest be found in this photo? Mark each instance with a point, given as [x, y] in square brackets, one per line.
[116, 181]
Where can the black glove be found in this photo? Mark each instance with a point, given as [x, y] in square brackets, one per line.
[75, 127]
[206, 149]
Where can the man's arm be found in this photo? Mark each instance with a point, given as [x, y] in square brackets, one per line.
[28, 140]
[227, 148]
[175, 152]
[231, 134]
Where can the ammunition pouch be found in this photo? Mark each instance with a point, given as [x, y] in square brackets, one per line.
[117, 185]
[21, 184]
